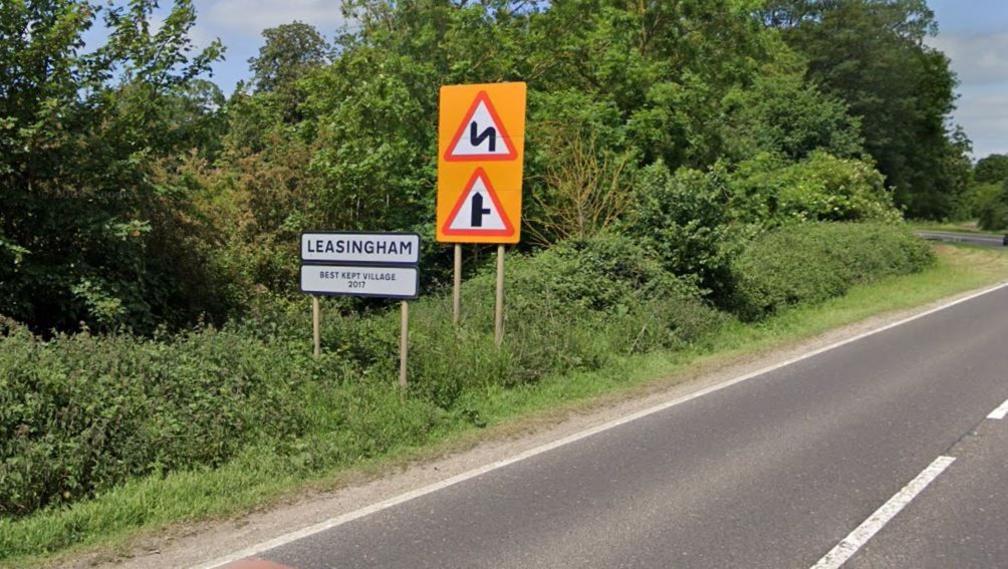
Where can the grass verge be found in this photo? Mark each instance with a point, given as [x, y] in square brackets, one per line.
[259, 477]
[953, 226]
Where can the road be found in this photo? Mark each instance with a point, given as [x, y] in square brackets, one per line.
[888, 451]
[986, 240]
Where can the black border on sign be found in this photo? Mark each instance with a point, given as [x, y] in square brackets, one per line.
[360, 263]
[415, 268]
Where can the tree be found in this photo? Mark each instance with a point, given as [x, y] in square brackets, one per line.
[871, 54]
[993, 168]
[94, 232]
[782, 114]
[991, 205]
[290, 50]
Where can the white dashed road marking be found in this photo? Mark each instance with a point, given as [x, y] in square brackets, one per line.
[857, 538]
[999, 413]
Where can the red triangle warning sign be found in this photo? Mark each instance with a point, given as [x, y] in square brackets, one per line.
[481, 136]
[478, 211]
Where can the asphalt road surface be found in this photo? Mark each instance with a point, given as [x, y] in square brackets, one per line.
[981, 239]
[885, 452]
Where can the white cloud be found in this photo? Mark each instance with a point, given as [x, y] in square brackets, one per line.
[984, 115]
[250, 17]
[976, 58]
[981, 62]
[201, 37]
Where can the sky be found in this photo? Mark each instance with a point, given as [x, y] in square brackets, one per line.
[973, 33]
[239, 25]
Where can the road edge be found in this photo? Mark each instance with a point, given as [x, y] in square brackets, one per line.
[479, 471]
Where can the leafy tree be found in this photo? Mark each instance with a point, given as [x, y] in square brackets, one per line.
[94, 232]
[991, 206]
[871, 54]
[290, 51]
[993, 168]
[782, 114]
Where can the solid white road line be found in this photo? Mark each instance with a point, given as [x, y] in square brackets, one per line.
[348, 517]
[999, 413]
[857, 538]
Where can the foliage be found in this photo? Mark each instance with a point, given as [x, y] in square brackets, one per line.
[784, 115]
[813, 262]
[154, 200]
[82, 136]
[697, 222]
[586, 188]
[82, 413]
[991, 169]
[871, 54]
[990, 205]
[687, 219]
[820, 188]
[288, 52]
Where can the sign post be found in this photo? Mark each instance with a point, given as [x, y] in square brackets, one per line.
[457, 286]
[403, 345]
[499, 304]
[481, 146]
[377, 265]
[316, 312]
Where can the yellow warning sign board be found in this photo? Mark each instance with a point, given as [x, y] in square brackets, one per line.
[481, 149]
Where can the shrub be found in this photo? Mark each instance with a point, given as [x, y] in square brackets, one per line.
[686, 219]
[573, 307]
[990, 205]
[82, 413]
[822, 187]
[814, 262]
[697, 222]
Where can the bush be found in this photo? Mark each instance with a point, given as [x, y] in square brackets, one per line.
[697, 222]
[822, 187]
[990, 205]
[82, 413]
[814, 262]
[686, 219]
[575, 306]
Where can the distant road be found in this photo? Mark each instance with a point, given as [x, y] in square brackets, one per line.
[970, 238]
[886, 451]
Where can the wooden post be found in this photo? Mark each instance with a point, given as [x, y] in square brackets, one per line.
[316, 325]
[499, 308]
[403, 345]
[457, 286]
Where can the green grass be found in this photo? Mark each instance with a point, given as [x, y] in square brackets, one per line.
[259, 477]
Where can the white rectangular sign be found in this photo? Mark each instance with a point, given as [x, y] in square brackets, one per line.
[341, 280]
[384, 248]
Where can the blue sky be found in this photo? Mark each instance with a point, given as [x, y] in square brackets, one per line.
[973, 33]
[239, 24]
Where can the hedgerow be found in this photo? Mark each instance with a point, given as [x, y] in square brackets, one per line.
[82, 413]
[814, 262]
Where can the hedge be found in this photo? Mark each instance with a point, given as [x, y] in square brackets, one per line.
[816, 261]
